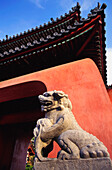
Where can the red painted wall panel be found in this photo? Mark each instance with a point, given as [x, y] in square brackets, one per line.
[110, 94]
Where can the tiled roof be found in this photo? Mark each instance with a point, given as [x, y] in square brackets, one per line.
[70, 28]
[64, 19]
[43, 36]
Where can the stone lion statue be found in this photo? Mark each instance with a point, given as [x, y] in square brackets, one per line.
[60, 125]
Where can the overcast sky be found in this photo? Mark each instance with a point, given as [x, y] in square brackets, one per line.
[20, 15]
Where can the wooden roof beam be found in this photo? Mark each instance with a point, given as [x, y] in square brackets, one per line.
[86, 42]
[26, 61]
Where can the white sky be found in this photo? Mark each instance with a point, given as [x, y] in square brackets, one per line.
[109, 66]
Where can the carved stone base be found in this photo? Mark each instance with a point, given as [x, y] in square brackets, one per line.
[79, 164]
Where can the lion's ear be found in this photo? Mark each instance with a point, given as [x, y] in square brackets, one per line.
[59, 95]
[56, 96]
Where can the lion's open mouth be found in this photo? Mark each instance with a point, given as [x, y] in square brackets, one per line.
[46, 102]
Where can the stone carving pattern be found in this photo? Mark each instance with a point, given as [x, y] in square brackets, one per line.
[61, 126]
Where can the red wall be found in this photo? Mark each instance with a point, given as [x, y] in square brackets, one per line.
[110, 94]
[82, 82]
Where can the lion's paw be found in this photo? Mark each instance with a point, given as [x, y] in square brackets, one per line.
[64, 146]
[63, 155]
[94, 150]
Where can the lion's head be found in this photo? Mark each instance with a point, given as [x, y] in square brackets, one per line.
[54, 100]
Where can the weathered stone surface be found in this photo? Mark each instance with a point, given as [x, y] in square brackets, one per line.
[78, 164]
[60, 125]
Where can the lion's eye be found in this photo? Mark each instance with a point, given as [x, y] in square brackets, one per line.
[47, 94]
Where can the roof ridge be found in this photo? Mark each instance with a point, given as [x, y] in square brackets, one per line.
[50, 23]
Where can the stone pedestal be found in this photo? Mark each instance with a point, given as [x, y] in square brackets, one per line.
[78, 164]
